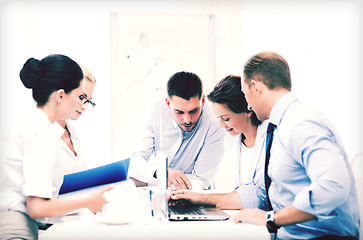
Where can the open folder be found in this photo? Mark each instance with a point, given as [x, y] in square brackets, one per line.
[110, 173]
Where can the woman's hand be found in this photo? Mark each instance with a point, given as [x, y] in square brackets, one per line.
[97, 200]
[186, 194]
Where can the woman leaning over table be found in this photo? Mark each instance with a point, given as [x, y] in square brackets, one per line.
[72, 155]
[246, 132]
[29, 177]
[245, 144]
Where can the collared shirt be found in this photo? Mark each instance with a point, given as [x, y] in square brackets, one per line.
[252, 193]
[251, 163]
[72, 163]
[247, 164]
[29, 161]
[309, 170]
[196, 153]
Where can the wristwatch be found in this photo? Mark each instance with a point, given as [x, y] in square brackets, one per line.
[270, 222]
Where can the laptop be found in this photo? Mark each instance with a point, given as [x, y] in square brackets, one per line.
[185, 210]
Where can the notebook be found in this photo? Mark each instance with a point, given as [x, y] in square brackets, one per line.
[184, 210]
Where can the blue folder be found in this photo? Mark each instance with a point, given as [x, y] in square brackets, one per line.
[110, 173]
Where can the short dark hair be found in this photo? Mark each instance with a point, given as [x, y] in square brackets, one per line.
[270, 68]
[185, 85]
[228, 92]
[50, 74]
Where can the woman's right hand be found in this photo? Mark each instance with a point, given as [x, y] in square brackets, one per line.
[97, 200]
[186, 194]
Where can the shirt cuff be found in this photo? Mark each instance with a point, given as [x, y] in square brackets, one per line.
[248, 196]
[302, 202]
[38, 190]
[142, 170]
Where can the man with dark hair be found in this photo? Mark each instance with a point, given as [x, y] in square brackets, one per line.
[310, 192]
[185, 129]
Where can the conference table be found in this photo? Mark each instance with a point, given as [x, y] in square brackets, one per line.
[138, 223]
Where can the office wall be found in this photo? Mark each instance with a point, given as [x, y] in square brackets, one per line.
[320, 39]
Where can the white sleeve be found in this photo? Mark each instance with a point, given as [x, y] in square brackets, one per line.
[140, 166]
[39, 162]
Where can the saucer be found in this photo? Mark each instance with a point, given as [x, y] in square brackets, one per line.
[112, 219]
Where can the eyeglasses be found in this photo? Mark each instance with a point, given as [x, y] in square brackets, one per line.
[86, 100]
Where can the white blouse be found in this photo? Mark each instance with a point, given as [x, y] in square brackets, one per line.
[70, 162]
[29, 161]
[246, 163]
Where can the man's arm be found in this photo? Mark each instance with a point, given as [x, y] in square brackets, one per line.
[140, 169]
[209, 158]
[291, 215]
[283, 217]
[326, 168]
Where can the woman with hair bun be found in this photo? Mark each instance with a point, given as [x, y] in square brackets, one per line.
[29, 167]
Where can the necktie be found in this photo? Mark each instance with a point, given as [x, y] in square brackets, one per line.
[270, 129]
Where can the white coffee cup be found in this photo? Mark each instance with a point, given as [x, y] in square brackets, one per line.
[116, 213]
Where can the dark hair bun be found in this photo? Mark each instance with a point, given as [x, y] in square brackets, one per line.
[31, 73]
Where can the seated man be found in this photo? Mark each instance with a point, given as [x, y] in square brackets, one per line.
[185, 129]
[310, 189]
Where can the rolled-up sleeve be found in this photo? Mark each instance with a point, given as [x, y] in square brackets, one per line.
[252, 195]
[39, 162]
[326, 168]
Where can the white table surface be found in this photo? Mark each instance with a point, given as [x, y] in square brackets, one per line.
[85, 225]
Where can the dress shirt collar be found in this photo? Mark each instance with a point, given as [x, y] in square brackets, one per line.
[280, 107]
[176, 126]
[58, 129]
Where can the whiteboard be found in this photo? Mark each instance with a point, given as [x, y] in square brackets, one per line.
[146, 50]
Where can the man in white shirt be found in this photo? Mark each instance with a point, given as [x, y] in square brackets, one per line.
[185, 129]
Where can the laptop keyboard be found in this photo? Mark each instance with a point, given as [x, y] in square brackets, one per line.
[194, 210]
[183, 206]
[183, 209]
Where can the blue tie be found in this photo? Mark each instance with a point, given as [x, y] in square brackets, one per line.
[270, 129]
